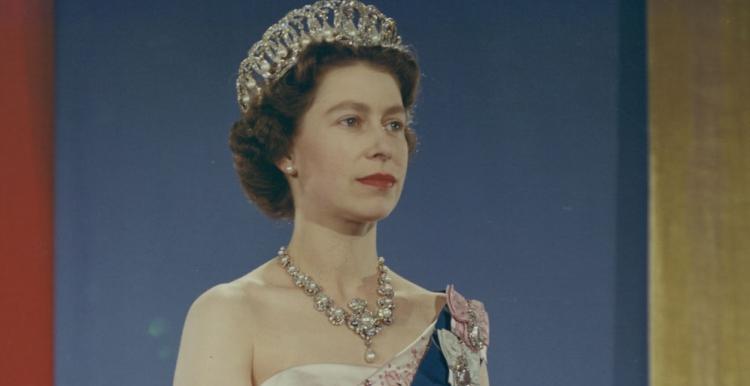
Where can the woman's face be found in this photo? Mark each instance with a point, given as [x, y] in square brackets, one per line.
[355, 127]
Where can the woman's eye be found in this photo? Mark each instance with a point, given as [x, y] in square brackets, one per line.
[395, 126]
[350, 121]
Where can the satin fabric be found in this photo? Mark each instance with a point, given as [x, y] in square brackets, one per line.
[398, 370]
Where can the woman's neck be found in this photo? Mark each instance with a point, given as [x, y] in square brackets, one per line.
[342, 259]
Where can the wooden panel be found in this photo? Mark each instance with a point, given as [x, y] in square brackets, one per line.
[26, 141]
[699, 90]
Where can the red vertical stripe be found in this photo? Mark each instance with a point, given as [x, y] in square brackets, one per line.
[26, 192]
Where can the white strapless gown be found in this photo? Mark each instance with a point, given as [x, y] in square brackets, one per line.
[398, 370]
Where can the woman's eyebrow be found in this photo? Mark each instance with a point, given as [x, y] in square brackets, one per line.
[358, 106]
[395, 109]
[363, 108]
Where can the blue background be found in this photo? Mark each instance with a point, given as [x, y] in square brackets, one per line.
[528, 191]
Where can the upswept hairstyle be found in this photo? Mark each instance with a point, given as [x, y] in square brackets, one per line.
[265, 133]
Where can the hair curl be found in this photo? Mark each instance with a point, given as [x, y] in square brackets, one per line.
[265, 133]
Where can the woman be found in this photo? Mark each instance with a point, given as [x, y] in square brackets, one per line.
[324, 140]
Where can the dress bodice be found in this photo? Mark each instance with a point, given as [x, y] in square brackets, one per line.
[449, 351]
[403, 365]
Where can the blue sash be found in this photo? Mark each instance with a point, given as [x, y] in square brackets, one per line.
[433, 370]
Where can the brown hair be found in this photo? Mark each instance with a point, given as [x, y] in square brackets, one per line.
[265, 132]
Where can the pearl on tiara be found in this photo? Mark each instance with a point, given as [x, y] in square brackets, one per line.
[347, 21]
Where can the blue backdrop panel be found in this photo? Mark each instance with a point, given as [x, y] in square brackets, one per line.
[528, 191]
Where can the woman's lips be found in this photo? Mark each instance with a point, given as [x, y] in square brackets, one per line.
[379, 180]
[378, 183]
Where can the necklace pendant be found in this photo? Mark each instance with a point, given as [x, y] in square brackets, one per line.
[369, 355]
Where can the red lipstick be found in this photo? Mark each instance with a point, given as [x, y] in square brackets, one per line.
[380, 180]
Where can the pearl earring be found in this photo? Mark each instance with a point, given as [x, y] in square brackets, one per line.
[290, 170]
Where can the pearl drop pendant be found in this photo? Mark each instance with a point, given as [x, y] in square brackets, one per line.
[369, 355]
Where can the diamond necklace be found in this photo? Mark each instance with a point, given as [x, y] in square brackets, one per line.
[363, 322]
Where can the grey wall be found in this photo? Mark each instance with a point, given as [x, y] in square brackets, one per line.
[528, 192]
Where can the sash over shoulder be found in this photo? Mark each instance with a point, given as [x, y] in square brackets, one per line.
[455, 352]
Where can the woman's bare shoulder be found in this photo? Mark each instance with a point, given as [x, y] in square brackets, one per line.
[429, 302]
[238, 290]
[413, 289]
[244, 296]
[252, 285]
[217, 338]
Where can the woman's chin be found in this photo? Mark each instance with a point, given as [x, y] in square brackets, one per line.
[372, 214]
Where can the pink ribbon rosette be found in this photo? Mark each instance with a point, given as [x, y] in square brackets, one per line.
[469, 322]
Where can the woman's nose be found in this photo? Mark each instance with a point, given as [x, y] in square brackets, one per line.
[382, 146]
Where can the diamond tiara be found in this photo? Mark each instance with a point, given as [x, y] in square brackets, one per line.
[346, 21]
